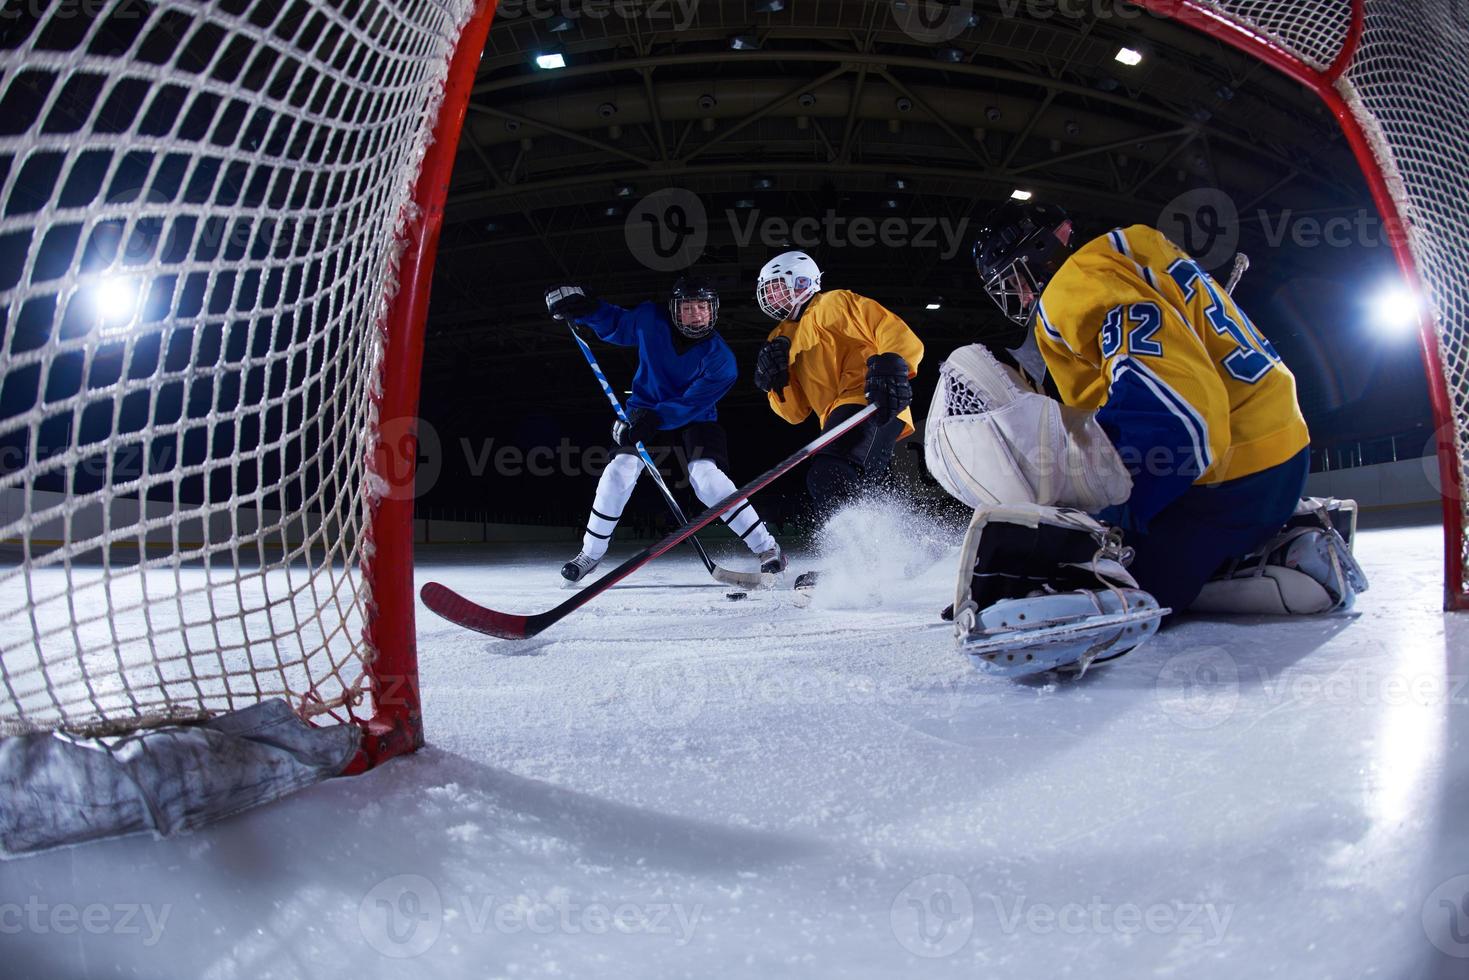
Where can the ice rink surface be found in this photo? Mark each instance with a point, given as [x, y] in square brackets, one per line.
[672, 784]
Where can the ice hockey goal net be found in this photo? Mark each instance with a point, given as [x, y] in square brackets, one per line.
[216, 221]
[1396, 74]
[216, 225]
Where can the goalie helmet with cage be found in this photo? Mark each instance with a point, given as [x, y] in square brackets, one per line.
[787, 283]
[1017, 252]
[694, 306]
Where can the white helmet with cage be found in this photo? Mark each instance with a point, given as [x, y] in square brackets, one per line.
[787, 283]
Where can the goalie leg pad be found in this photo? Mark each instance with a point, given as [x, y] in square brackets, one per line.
[1044, 588]
[1305, 570]
[1276, 591]
[1338, 567]
[1066, 631]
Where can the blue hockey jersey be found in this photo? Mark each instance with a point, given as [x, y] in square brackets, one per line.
[681, 387]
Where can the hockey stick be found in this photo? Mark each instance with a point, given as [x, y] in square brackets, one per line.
[514, 626]
[749, 580]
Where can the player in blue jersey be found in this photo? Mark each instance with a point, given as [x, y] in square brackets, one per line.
[684, 369]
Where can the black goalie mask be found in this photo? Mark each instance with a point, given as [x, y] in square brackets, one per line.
[1017, 253]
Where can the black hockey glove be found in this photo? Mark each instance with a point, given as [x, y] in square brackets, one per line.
[570, 303]
[888, 386]
[773, 366]
[640, 425]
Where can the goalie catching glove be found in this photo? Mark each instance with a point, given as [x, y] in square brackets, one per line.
[570, 303]
[992, 440]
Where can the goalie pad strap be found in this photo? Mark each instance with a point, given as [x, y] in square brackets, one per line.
[1090, 554]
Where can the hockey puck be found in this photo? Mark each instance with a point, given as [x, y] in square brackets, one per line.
[736, 596]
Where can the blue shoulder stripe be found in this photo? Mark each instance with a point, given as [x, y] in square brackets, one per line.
[1051, 331]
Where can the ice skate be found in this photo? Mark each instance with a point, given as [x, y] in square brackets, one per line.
[578, 568]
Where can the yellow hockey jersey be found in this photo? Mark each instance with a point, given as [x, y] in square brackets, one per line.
[837, 332]
[1186, 387]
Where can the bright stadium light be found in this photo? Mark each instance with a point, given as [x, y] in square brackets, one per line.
[1019, 195]
[1130, 57]
[1396, 310]
[115, 301]
[550, 60]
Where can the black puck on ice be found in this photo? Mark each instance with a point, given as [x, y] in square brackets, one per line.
[736, 596]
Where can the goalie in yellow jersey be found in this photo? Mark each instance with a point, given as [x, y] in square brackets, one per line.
[1176, 423]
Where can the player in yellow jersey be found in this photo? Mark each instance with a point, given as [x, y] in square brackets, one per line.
[1177, 421]
[832, 353]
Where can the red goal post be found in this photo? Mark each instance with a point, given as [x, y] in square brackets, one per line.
[1396, 75]
[396, 725]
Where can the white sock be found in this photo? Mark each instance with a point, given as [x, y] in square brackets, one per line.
[711, 486]
[616, 485]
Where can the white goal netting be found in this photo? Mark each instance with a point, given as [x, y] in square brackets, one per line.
[200, 209]
[1401, 67]
[200, 216]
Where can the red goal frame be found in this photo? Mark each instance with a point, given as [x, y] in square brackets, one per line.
[1323, 83]
[396, 725]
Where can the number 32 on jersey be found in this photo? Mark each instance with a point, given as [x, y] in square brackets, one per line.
[1252, 357]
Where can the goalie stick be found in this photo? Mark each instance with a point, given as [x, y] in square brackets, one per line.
[1241, 266]
[454, 607]
[748, 580]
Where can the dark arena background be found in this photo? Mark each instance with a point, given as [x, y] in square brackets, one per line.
[312, 663]
[723, 134]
